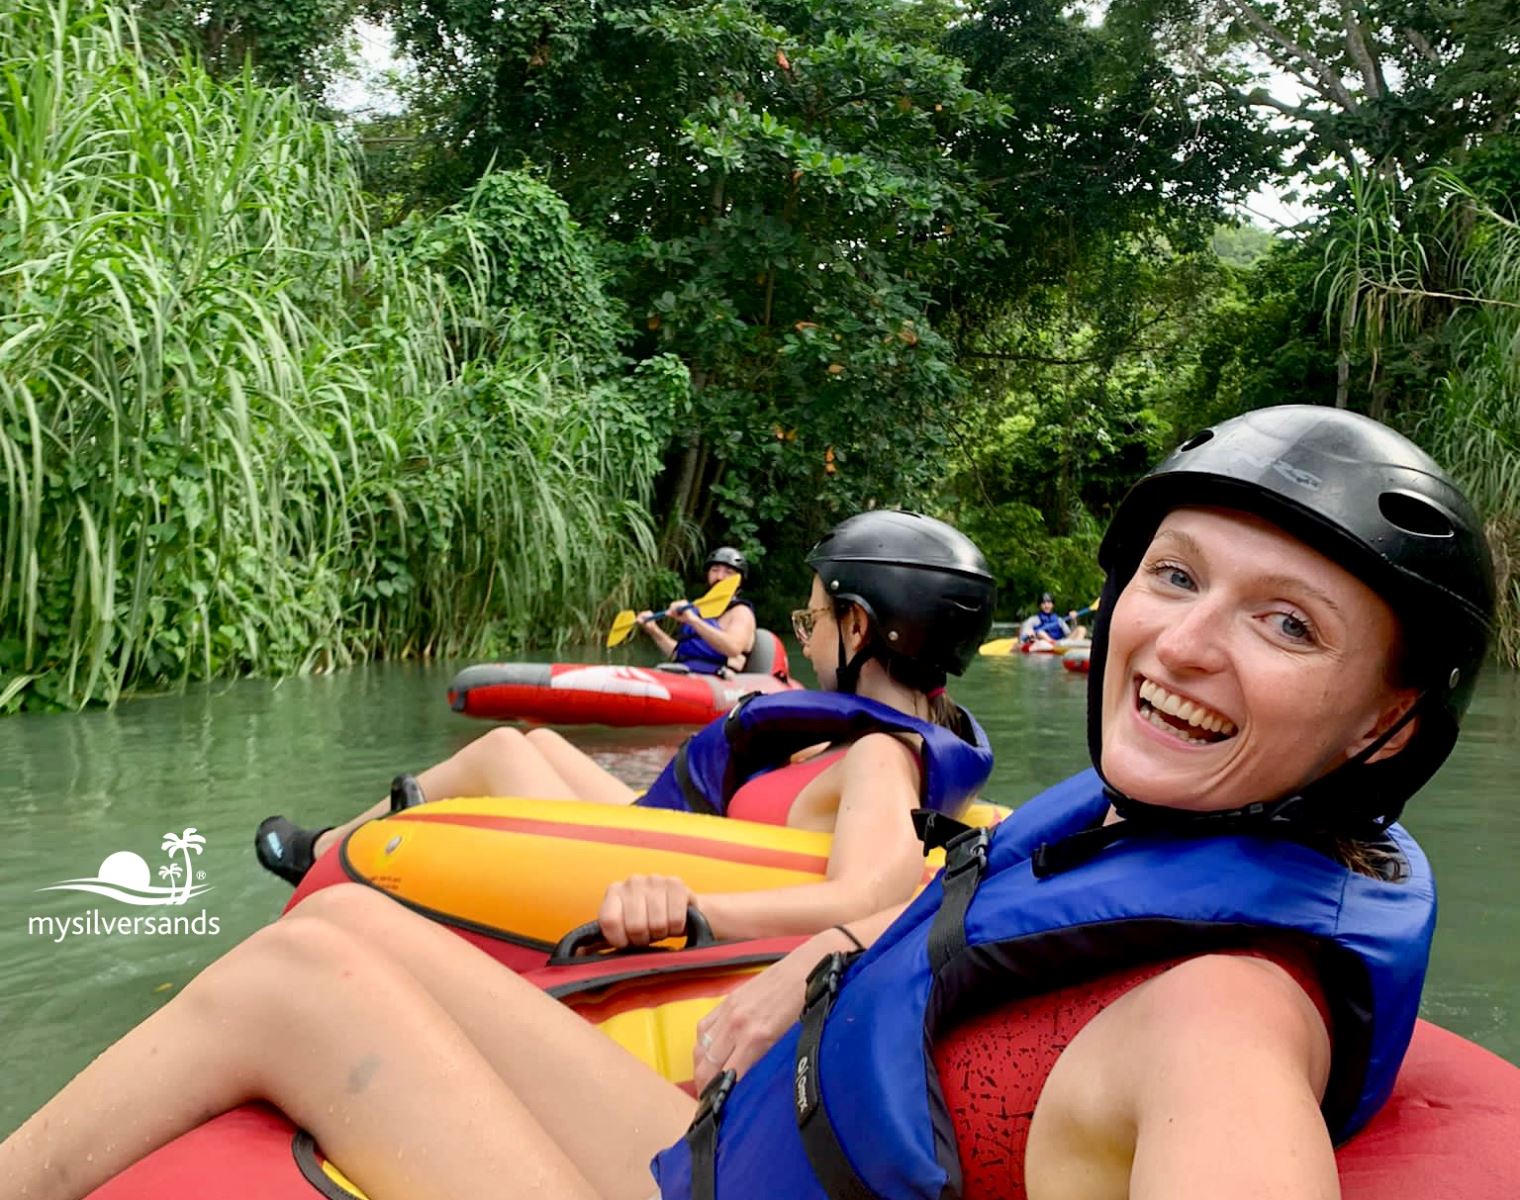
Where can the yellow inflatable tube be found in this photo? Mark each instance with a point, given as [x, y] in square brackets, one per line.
[529, 870]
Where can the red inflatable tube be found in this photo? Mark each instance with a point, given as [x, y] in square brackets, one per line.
[582, 694]
[1444, 1135]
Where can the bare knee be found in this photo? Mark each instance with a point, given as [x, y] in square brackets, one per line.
[502, 741]
[300, 984]
[281, 970]
[304, 948]
[544, 739]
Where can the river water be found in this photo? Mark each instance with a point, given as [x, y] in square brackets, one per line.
[75, 789]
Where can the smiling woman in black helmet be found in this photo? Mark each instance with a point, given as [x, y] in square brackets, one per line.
[1195, 967]
[1180, 975]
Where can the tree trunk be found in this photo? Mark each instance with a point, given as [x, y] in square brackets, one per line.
[676, 514]
[709, 497]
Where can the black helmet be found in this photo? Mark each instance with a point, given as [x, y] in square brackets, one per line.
[727, 556]
[1369, 499]
[925, 586]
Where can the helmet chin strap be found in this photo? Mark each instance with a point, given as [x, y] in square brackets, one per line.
[1292, 816]
[847, 674]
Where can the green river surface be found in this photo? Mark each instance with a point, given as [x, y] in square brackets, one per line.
[77, 788]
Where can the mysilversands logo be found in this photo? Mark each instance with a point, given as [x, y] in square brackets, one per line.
[126, 878]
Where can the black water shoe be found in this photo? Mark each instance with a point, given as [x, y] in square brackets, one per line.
[285, 848]
[406, 793]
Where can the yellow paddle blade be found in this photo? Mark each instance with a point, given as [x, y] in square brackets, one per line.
[622, 626]
[999, 646]
[716, 601]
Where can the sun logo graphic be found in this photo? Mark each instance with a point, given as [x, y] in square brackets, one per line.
[125, 876]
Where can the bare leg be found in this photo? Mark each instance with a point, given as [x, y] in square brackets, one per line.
[577, 1083]
[358, 1051]
[587, 779]
[500, 763]
[505, 762]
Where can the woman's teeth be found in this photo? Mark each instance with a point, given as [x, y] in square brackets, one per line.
[1156, 704]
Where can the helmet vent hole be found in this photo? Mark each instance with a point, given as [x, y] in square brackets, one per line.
[1197, 440]
[1415, 515]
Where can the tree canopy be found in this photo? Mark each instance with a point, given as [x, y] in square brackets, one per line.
[973, 256]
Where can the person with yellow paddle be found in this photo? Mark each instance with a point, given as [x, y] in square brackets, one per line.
[715, 634]
[1045, 631]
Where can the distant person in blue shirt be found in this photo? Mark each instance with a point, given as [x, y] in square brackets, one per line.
[1045, 625]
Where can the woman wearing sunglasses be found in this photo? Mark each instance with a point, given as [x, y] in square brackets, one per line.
[898, 602]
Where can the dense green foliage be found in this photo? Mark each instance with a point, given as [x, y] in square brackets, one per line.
[1403, 84]
[1399, 300]
[295, 42]
[828, 211]
[751, 264]
[241, 432]
[779, 196]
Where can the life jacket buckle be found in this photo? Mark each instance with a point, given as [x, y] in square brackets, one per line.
[824, 979]
[714, 1096]
[966, 851]
[936, 830]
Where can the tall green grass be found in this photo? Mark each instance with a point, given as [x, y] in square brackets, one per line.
[1434, 273]
[1475, 423]
[241, 433]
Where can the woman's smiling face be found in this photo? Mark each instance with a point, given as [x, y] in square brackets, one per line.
[1242, 665]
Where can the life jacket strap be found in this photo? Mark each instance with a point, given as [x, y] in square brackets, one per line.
[696, 800]
[1276, 819]
[702, 1136]
[825, 1155]
[1052, 858]
[965, 864]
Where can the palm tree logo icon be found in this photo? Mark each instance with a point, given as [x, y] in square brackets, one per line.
[182, 843]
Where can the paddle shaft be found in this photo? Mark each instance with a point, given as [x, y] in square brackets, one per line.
[712, 604]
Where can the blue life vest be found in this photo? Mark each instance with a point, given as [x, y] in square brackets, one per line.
[764, 731]
[851, 1096]
[1050, 625]
[695, 651]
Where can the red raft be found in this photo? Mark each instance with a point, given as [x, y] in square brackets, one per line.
[1445, 1134]
[590, 694]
